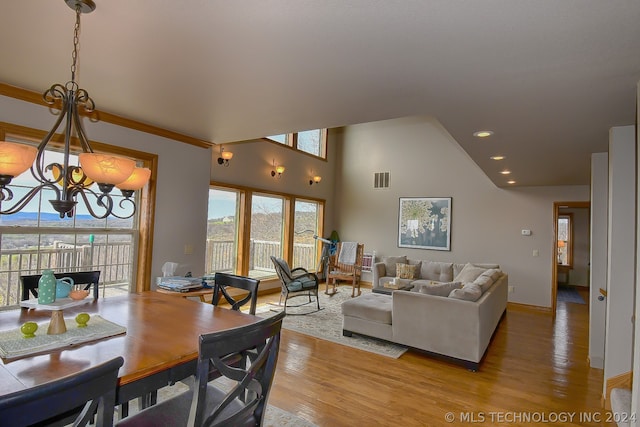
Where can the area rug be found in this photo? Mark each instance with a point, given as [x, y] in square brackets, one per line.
[326, 324]
[274, 416]
[569, 294]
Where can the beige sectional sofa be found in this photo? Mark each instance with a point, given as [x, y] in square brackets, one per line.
[451, 311]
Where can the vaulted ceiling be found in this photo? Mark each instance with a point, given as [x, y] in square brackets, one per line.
[548, 77]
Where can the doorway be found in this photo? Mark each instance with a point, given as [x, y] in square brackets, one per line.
[570, 266]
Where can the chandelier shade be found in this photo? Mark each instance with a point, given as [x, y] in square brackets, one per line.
[136, 180]
[16, 158]
[70, 183]
[106, 168]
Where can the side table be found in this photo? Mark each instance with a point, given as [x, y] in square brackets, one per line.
[195, 293]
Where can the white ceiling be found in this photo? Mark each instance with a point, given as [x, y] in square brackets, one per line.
[549, 77]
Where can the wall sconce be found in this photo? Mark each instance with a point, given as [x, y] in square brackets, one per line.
[225, 156]
[277, 170]
[315, 180]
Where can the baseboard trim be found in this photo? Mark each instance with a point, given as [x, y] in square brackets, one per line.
[528, 307]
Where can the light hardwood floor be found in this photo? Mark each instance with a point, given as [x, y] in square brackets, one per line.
[534, 367]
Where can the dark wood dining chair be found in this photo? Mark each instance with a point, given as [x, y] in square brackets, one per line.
[224, 281]
[73, 399]
[206, 404]
[87, 279]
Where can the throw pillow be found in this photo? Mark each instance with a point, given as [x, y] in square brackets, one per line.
[440, 271]
[484, 282]
[494, 273]
[405, 271]
[439, 288]
[469, 273]
[390, 264]
[469, 292]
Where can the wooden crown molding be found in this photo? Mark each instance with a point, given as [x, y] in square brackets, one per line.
[36, 98]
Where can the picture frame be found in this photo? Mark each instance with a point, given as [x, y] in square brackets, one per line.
[425, 223]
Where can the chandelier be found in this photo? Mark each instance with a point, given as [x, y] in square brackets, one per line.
[71, 182]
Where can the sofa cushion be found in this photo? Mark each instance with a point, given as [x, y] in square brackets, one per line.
[469, 292]
[405, 271]
[442, 289]
[390, 264]
[439, 271]
[494, 273]
[469, 273]
[484, 282]
[457, 268]
[372, 307]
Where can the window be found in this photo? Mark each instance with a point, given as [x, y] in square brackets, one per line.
[310, 141]
[222, 230]
[274, 224]
[37, 238]
[305, 226]
[565, 244]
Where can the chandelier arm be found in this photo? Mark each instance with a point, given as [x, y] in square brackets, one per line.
[100, 201]
[82, 98]
[20, 204]
[121, 204]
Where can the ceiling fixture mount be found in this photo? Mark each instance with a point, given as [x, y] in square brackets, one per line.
[483, 133]
[511, 182]
[67, 181]
[505, 172]
[498, 157]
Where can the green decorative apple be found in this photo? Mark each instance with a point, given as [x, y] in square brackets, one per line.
[29, 329]
[82, 319]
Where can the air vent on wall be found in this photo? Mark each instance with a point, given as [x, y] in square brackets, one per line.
[381, 180]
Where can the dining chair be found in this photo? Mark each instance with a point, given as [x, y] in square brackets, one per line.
[86, 278]
[224, 281]
[295, 283]
[88, 396]
[206, 403]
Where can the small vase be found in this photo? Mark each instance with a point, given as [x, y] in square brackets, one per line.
[47, 287]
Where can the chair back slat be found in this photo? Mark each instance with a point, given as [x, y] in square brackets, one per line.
[76, 397]
[87, 278]
[223, 281]
[259, 345]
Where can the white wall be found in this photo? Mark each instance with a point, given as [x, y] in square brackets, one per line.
[182, 183]
[599, 250]
[621, 261]
[424, 160]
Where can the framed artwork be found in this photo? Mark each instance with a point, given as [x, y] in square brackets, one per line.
[425, 223]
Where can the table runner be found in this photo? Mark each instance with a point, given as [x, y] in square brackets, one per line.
[13, 345]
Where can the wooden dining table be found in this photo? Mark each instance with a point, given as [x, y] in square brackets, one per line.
[159, 347]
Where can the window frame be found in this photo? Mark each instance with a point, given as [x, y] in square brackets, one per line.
[244, 225]
[292, 142]
[143, 239]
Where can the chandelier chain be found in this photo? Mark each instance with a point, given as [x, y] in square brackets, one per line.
[76, 42]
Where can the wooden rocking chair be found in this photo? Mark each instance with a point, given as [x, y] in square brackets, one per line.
[340, 270]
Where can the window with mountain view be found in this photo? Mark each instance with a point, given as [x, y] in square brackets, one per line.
[280, 225]
[222, 231]
[266, 235]
[305, 226]
[37, 238]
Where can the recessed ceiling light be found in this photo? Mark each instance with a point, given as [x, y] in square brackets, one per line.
[483, 133]
[498, 157]
[505, 172]
[511, 182]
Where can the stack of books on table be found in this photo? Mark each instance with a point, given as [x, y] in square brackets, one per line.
[180, 284]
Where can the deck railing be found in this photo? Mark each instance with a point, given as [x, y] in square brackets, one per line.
[114, 260]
